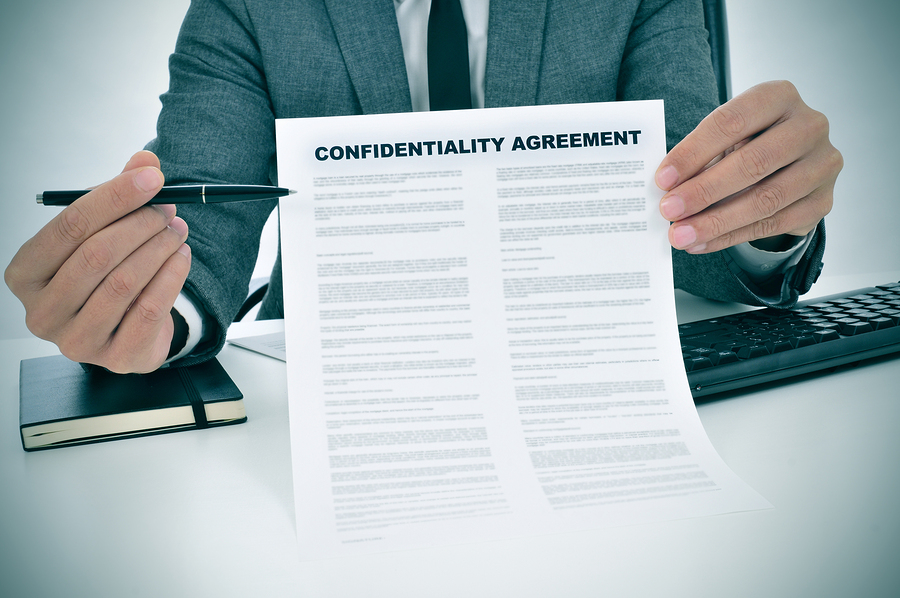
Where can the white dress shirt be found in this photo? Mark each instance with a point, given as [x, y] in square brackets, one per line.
[412, 18]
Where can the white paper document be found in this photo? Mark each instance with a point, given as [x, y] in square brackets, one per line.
[271, 344]
[260, 336]
[480, 329]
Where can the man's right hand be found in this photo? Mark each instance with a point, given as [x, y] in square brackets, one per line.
[99, 280]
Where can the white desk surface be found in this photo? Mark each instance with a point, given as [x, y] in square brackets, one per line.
[210, 513]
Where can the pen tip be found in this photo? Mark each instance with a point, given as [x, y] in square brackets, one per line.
[291, 191]
[40, 198]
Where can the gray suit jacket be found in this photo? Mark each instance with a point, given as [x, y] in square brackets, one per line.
[240, 64]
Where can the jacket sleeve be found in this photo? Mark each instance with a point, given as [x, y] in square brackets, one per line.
[667, 56]
[217, 126]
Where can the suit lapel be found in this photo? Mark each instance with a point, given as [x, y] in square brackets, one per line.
[367, 33]
[515, 42]
[369, 38]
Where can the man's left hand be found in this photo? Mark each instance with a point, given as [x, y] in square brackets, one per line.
[759, 166]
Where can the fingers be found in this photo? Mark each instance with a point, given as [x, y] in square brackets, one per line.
[85, 327]
[746, 115]
[760, 166]
[42, 255]
[135, 335]
[798, 219]
[145, 334]
[141, 159]
[790, 201]
[774, 149]
[101, 259]
[100, 279]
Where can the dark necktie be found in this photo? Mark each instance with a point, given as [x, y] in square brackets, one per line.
[448, 57]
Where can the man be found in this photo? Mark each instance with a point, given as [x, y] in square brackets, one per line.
[100, 280]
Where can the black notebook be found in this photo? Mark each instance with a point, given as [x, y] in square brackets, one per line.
[61, 404]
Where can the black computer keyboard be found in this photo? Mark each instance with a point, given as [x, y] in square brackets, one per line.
[753, 347]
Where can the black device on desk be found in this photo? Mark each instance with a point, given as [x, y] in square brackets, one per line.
[753, 347]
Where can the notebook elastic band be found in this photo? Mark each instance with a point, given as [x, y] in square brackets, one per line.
[194, 397]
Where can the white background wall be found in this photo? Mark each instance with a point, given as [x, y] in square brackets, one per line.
[79, 87]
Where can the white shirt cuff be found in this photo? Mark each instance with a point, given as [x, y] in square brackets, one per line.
[760, 264]
[190, 313]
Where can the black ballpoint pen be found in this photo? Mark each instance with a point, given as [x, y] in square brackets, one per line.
[182, 194]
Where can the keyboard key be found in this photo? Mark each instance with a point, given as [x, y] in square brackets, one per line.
[822, 336]
[752, 351]
[703, 340]
[783, 345]
[882, 323]
[836, 316]
[862, 314]
[803, 341]
[816, 321]
[893, 315]
[726, 357]
[710, 354]
[872, 301]
[804, 331]
[703, 327]
[701, 363]
[854, 328]
[732, 345]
